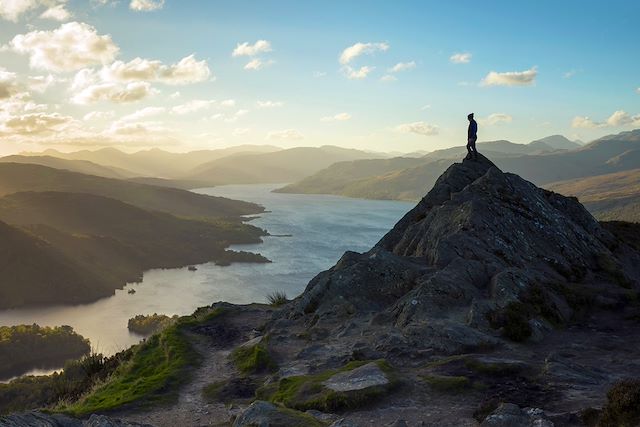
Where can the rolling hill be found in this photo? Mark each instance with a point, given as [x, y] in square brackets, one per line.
[80, 166]
[80, 247]
[280, 166]
[16, 177]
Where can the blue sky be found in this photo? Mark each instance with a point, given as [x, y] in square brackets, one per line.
[568, 67]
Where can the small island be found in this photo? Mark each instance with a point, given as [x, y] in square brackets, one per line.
[26, 347]
[149, 324]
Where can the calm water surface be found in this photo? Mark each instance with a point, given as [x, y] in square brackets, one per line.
[319, 229]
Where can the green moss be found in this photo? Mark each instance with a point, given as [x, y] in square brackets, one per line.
[448, 384]
[253, 359]
[307, 391]
[623, 405]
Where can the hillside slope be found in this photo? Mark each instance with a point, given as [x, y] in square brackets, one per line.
[15, 177]
[80, 166]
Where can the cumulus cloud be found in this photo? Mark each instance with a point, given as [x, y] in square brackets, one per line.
[287, 134]
[228, 103]
[72, 46]
[388, 78]
[258, 64]
[98, 115]
[192, 106]
[146, 5]
[402, 66]
[34, 124]
[269, 104]
[617, 119]
[246, 49]
[40, 83]
[341, 117]
[113, 92]
[352, 52]
[187, 70]
[460, 58]
[419, 128]
[358, 74]
[143, 114]
[496, 118]
[511, 78]
[8, 84]
[56, 13]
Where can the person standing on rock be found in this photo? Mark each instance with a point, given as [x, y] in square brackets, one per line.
[472, 136]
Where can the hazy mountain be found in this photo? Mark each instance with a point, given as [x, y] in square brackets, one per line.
[81, 166]
[557, 142]
[95, 244]
[606, 155]
[15, 177]
[155, 162]
[281, 166]
[614, 196]
[500, 148]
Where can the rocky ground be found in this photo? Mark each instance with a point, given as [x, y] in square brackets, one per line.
[492, 303]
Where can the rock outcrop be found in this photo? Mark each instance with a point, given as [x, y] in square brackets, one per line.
[483, 255]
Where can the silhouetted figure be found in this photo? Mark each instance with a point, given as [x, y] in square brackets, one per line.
[472, 136]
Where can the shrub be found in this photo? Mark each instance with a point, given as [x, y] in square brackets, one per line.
[623, 405]
[277, 298]
[253, 359]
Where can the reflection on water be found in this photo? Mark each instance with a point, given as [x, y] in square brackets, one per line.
[315, 230]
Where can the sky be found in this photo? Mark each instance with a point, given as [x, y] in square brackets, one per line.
[377, 75]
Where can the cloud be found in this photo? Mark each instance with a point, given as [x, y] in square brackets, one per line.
[402, 66]
[511, 78]
[98, 115]
[146, 5]
[319, 74]
[287, 134]
[388, 78]
[638, 90]
[246, 49]
[569, 74]
[35, 124]
[192, 106]
[352, 52]
[341, 117]
[358, 74]
[617, 119]
[269, 104]
[258, 64]
[461, 58]
[420, 128]
[8, 84]
[228, 103]
[496, 118]
[143, 113]
[187, 70]
[235, 116]
[56, 13]
[113, 92]
[70, 47]
[240, 131]
[40, 83]
[136, 128]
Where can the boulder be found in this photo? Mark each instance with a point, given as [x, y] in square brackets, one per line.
[361, 378]
[510, 415]
[266, 414]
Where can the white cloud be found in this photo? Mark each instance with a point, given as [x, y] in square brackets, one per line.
[40, 83]
[240, 131]
[358, 49]
[617, 119]
[113, 92]
[358, 74]
[319, 74]
[341, 117]
[246, 49]
[175, 95]
[638, 90]
[146, 5]
[388, 78]
[143, 114]
[235, 116]
[187, 70]
[420, 128]
[136, 128]
[269, 104]
[56, 13]
[511, 78]
[569, 74]
[402, 66]
[8, 84]
[258, 64]
[35, 124]
[461, 58]
[70, 47]
[228, 103]
[496, 118]
[192, 106]
[425, 107]
[287, 134]
[98, 115]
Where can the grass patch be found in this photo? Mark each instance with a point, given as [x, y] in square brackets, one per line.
[307, 391]
[253, 359]
[277, 298]
[448, 384]
[234, 390]
[623, 405]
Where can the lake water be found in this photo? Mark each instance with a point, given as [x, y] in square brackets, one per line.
[318, 230]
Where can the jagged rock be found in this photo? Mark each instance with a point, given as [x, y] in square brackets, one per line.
[104, 421]
[38, 419]
[363, 377]
[478, 242]
[510, 415]
[265, 414]
[343, 422]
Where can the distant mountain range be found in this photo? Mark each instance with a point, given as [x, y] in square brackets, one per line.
[542, 162]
